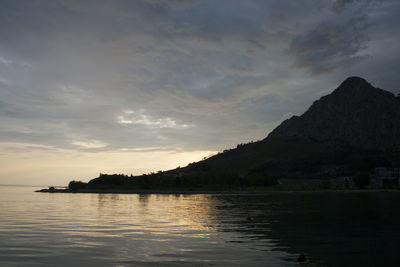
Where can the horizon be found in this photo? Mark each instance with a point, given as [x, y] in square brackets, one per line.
[138, 87]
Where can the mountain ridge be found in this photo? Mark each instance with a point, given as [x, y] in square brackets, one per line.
[355, 125]
[355, 114]
[352, 130]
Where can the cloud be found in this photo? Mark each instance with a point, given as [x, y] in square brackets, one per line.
[330, 45]
[180, 75]
[230, 86]
[140, 118]
[339, 6]
[5, 61]
[55, 166]
[3, 83]
[89, 144]
[7, 147]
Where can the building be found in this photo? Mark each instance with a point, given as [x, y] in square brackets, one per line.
[385, 177]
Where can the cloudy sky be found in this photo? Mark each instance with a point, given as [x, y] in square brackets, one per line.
[138, 86]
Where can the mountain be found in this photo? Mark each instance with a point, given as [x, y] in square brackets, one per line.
[352, 130]
[355, 128]
[355, 114]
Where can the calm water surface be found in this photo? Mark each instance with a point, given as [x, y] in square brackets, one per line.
[331, 229]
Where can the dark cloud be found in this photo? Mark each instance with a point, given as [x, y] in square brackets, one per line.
[339, 6]
[330, 45]
[228, 70]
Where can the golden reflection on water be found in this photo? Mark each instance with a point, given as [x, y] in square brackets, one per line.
[45, 229]
[120, 229]
[188, 212]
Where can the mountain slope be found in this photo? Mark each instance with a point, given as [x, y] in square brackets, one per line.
[356, 127]
[355, 114]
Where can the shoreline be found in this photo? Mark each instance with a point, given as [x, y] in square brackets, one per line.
[213, 192]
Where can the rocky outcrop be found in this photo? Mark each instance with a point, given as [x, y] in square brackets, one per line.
[356, 114]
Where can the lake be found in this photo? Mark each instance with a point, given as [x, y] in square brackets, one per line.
[331, 229]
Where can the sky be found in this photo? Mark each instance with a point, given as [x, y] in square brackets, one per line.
[140, 86]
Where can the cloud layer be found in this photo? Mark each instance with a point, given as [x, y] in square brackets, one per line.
[104, 76]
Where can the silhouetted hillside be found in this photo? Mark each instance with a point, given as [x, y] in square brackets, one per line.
[356, 127]
[355, 114]
[351, 130]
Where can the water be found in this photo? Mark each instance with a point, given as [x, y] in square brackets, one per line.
[331, 229]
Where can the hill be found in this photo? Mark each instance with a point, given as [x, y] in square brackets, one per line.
[355, 114]
[354, 129]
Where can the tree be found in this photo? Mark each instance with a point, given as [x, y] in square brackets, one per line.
[75, 185]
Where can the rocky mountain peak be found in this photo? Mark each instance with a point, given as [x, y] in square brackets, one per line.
[354, 82]
[354, 114]
[356, 87]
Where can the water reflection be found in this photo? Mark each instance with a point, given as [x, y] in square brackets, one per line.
[120, 229]
[332, 229]
[144, 199]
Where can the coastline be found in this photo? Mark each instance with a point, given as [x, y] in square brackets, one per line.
[214, 192]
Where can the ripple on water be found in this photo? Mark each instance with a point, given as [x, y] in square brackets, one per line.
[196, 230]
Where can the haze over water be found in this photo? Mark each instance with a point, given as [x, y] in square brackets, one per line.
[332, 229]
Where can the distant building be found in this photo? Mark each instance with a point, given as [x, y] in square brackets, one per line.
[342, 182]
[383, 177]
[301, 183]
[382, 173]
